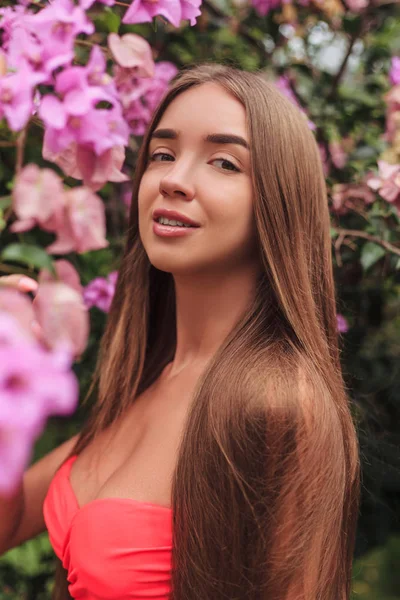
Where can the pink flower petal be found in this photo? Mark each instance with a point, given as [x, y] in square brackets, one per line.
[132, 50]
[66, 273]
[52, 112]
[63, 317]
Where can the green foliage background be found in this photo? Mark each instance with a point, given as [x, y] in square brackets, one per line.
[345, 100]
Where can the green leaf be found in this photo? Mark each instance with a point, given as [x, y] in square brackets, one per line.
[370, 254]
[5, 202]
[334, 232]
[108, 20]
[29, 559]
[397, 267]
[28, 254]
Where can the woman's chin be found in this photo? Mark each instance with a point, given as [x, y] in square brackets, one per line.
[169, 265]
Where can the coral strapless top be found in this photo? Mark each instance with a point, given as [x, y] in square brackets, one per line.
[112, 548]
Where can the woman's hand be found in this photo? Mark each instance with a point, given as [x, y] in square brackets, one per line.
[22, 283]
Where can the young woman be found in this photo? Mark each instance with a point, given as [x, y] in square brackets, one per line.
[220, 460]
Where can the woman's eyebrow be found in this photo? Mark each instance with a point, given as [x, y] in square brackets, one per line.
[215, 138]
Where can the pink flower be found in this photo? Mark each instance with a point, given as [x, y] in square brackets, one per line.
[34, 384]
[81, 162]
[140, 96]
[348, 196]
[87, 85]
[342, 323]
[338, 155]
[100, 292]
[394, 74]
[98, 129]
[62, 316]
[263, 7]
[387, 183]
[143, 11]
[75, 117]
[85, 4]
[16, 97]
[65, 272]
[38, 194]
[164, 72]
[9, 17]
[76, 216]
[131, 51]
[17, 305]
[392, 114]
[48, 36]
[357, 5]
[83, 227]
[190, 10]
[62, 21]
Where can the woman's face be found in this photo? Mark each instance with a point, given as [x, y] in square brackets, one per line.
[199, 166]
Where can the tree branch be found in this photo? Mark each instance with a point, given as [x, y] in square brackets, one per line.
[367, 236]
[365, 23]
[20, 149]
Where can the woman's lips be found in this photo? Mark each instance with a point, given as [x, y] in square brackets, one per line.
[171, 230]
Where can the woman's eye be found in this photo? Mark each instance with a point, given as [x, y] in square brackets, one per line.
[158, 157]
[227, 165]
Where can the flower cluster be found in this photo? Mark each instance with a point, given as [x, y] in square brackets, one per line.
[88, 114]
[76, 216]
[35, 368]
[34, 384]
[140, 83]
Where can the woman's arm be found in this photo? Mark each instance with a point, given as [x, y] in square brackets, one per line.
[21, 516]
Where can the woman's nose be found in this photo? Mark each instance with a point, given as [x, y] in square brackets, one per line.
[176, 183]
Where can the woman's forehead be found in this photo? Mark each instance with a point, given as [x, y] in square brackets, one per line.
[207, 107]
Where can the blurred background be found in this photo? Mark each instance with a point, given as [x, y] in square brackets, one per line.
[338, 62]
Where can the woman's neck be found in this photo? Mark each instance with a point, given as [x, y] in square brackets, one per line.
[207, 309]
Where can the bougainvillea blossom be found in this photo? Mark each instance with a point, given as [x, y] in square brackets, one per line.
[61, 21]
[81, 162]
[100, 292]
[338, 154]
[98, 129]
[62, 315]
[85, 4]
[394, 73]
[17, 305]
[140, 96]
[263, 7]
[350, 196]
[175, 11]
[37, 196]
[342, 323]
[357, 5]
[64, 272]
[34, 384]
[91, 80]
[131, 51]
[16, 97]
[83, 226]
[387, 182]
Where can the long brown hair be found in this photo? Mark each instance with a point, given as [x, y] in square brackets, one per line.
[266, 488]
